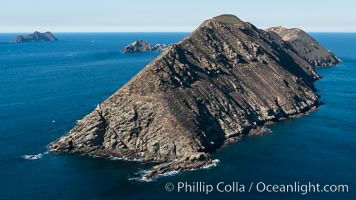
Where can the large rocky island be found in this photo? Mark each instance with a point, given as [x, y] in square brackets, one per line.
[35, 37]
[226, 80]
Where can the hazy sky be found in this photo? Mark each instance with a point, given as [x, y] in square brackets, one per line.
[164, 15]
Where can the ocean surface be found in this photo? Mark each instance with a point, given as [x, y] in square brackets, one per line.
[46, 87]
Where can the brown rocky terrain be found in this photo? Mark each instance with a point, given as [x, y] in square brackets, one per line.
[306, 46]
[35, 37]
[225, 80]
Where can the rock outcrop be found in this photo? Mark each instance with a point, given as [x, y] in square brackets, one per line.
[143, 46]
[223, 81]
[35, 37]
[306, 46]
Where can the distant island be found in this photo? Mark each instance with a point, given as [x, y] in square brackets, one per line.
[35, 37]
[306, 46]
[226, 80]
[143, 46]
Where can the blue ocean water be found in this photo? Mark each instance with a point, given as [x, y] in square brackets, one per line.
[45, 87]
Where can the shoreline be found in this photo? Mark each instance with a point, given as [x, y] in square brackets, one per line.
[200, 162]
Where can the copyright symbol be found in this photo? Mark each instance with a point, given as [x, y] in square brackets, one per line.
[169, 187]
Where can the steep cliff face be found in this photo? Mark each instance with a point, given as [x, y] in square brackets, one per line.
[306, 46]
[35, 37]
[218, 84]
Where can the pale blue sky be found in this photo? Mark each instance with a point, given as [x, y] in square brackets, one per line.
[164, 15]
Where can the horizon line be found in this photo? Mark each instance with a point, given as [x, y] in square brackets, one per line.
[21, 32]
[157, 29]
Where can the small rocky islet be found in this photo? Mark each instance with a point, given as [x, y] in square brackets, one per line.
[143, 46]
[224, 81]
[35, 37]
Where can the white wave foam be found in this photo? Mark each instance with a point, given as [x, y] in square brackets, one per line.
[213, 164]
[141, 179]
[266, 130]
[126, 159]
[140, 176]
[32, 157]
[170, 173]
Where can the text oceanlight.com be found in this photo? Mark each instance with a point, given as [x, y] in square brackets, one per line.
[236, 187]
